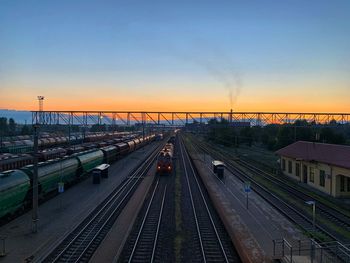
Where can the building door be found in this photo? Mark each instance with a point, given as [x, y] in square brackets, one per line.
[304, 173]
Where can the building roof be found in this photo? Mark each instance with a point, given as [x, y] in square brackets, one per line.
[333, 154]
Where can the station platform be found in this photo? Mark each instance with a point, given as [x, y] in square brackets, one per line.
[252, 229]
[61, 214]
[112, 245]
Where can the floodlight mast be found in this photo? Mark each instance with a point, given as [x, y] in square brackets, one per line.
[39, 120]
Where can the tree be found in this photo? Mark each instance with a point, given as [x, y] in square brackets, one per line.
[246, 135]
[3, 126]
[26, 130]
[12, 127]
[98, 127]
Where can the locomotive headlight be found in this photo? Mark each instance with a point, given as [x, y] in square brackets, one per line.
[158, 167]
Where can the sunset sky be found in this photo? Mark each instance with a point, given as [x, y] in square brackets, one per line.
[262, 55]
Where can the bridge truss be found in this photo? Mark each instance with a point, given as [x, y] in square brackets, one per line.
[180, 118]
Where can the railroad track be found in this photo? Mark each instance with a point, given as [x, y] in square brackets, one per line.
[331, 214]
[334, 215]
[144, 246]
[215, 246]
[81, 243]
[289, 211]
[337, 217]
[340, 252]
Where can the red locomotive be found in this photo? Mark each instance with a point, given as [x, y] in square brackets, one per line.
[165, 160]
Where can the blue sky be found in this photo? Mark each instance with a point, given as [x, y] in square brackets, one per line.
[261, 52]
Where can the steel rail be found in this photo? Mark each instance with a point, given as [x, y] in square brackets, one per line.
[336, 215]
[192, 204]
[302, 195]
[333, 215]
[268, 196]
[184, 152]
[158, 226]
[111, 200]
[142, 227]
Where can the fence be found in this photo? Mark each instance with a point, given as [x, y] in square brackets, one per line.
[309, 251]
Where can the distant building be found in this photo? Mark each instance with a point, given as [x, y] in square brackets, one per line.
[320, 165]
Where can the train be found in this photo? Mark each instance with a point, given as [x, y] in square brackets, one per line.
[12, 161]
[16, 185]
[165, 160]
[24, 143]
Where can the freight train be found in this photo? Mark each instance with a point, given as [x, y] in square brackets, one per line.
[24, 143]
[16, 185]
[165, 160]
[10, 161]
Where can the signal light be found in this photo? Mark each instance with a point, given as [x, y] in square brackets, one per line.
[169, 167]
[158, 167]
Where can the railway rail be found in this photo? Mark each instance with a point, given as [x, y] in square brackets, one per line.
[332, 214]
[292, 213]
[215, 245]
[81, 243]
[143, 247]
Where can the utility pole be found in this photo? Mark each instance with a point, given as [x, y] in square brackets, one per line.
[35, 217]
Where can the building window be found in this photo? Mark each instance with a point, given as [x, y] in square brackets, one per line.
[297, 169]
[312, 175]
[322, 178]
[283, 164]
[290, 167]
[342, 183]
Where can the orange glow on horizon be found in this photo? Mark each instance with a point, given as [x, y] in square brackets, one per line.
[171, 101]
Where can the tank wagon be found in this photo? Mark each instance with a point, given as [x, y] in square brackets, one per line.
[165, 160]
[109, 153]
[52, 172]
[89, 159]
[23, 144]
[16, 185]
[10, 161]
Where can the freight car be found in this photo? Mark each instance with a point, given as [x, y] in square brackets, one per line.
[14, 186]
[109, 154]
[10, 161]
[165, 160]
[17, 184]
[51, 153]
[52, 172]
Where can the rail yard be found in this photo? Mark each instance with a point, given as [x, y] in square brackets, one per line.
[164, 198]
[174, 131]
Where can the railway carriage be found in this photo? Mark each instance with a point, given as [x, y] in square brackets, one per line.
[52, 172]
[14, 186]
[131, 145]
[123, 149]
[89, 159]
[53, 153]
[10, 161]
[109, 153]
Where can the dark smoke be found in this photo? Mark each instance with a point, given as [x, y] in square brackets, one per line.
[221, 68]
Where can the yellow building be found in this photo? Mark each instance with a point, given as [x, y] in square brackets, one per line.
[325, 167]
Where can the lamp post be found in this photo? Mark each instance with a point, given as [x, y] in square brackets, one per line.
[313, 203]
[35, 217]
